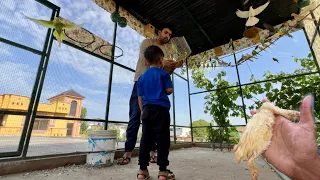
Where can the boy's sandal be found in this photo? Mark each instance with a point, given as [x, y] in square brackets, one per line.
[153, 159]
[167, 174]
[145, 173]
[124, 160]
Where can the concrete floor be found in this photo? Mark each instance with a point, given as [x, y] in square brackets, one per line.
[193, 163]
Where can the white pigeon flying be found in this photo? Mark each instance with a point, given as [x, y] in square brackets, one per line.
[251, 13]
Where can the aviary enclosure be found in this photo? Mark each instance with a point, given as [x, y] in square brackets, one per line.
[59, 82]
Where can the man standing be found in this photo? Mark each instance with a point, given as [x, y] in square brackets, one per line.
[164, 35]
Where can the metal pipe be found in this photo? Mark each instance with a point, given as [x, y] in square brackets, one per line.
[111, 73]
[174, 113]
[316, 32]
[47, 50]
[243, 105]
[311, 49]
[196, 23]
[97, 56]
[179, 76]
[316, 27]
[189, 99]
[257, 82]
[35, 51]
[19, 113]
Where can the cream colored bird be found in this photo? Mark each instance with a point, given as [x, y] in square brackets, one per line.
[251, 14]
[57, 25]
[258, 133]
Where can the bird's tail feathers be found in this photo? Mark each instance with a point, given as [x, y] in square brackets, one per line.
[252, 21]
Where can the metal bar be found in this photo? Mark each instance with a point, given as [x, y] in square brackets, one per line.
[9, 154]
[174, 113]
[97, 56]
[196, 23]
[180, 76]
[219, 126]
[34, 90]
[316, 32]
[189, 100]
[111, 72]
[316, 25]
[35, 51]
[243, 105]
[257, 82]
[68, 118]
[19, 113]
[181, 126]
[47, 48]
[48, 4]
[311, 49]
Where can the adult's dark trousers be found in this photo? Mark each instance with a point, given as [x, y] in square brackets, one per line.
[134, 122]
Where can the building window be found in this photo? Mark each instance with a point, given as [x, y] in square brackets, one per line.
[41, 124]
[73, 108]
[1, 119]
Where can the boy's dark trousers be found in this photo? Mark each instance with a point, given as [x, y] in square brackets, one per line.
[155, 127]
[134, 121]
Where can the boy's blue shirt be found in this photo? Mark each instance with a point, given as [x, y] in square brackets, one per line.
[152, 87]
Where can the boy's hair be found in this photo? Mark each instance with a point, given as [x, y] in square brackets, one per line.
[153, 54]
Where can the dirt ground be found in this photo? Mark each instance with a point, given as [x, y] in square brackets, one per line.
[192, 163]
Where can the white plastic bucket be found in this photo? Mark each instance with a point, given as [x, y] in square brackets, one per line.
[101, 147]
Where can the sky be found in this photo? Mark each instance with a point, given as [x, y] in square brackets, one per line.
[70, 68]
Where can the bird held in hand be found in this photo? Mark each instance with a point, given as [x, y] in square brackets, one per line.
[251, 14]
[258, 133]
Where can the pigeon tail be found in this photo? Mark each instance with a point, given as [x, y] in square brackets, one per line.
[252, 21]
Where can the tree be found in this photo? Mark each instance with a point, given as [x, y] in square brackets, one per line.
[200, 133]
[83, 113]
[84, 125]
[220, 103]
[292, 90]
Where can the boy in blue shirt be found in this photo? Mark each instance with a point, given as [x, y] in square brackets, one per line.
[154, 86]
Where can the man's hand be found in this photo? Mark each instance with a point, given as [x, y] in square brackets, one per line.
[141, 115]
[293, 149]
[179, 63]
[169, 65]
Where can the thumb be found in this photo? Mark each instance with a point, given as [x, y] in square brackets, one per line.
[306, 111]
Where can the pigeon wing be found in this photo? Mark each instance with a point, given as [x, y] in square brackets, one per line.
[259, 9]
[242, 14]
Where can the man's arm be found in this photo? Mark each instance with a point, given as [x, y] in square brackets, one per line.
[168, 84]
[144, 44]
